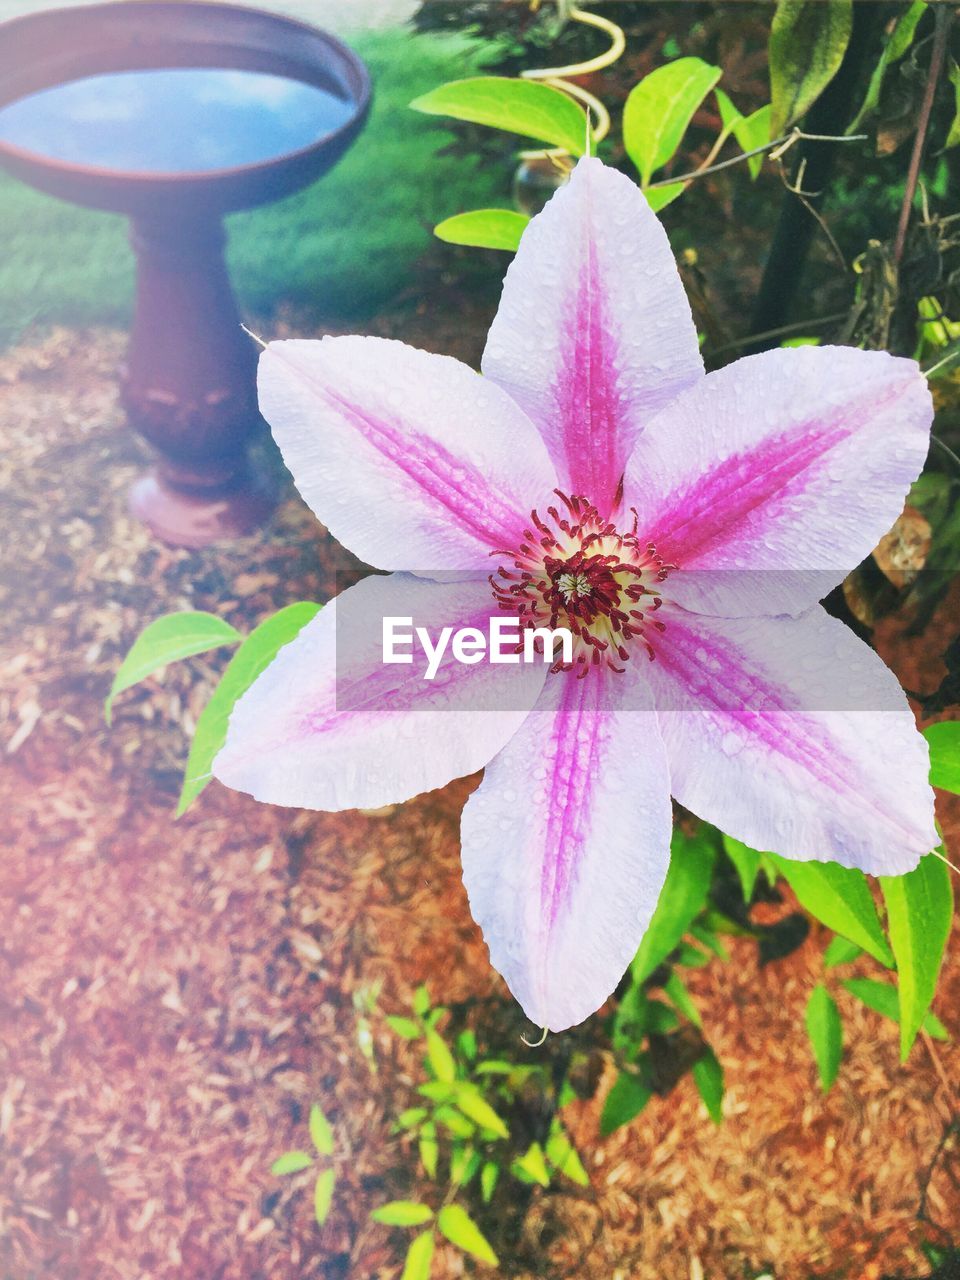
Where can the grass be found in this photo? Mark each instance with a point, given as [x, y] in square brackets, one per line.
[339, 249]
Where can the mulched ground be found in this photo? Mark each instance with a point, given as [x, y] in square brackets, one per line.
[173, 996]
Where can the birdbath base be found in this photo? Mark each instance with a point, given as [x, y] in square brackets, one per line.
[184, 519]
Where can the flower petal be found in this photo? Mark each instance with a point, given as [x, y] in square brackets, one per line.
[772, 478]
[413, 461]
[791, 735]
[594, 332]
[329, 726]
[566, 843]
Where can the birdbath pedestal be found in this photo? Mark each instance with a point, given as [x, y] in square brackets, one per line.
[176, 114]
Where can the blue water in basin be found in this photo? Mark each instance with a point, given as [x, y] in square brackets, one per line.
[177, 120]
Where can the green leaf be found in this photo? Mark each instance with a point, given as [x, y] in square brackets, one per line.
[421, 1001]
[429, 1149]
[291, 1162]
[320, 1132]
[659, 109]
[405, 1027]
[691, 957]
[323, 1195]
[467, 1045]
[682, 898]
[750, 131]
[419, 1258]
[460, 1229]
[481, 1112]
[624, 1102]
[708, 1077]
[174, 636]
[489, 1176]
[944, 743]
[882, 998]
[840, 951]
[808, 39]
[253, 657]
[840, 898]
[563, 1155]
[919, 915]
[456, 1123]
[681, 997]
[526, 107]
[437, 1090]
[897, 44]
[532, 1166]
[709, 940]
[484, 229]
[403, 1213]
[494, 1067]
[411, 1117]
[659, 197]
[953, 136]
[464, 1163]
[746, 861]
[826, 1034]
[440, 1058]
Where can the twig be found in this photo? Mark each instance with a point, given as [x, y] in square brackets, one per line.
[943, 16]
[797, 326]
[784, 143]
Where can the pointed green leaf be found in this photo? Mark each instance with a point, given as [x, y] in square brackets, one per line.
[291, 1162]
[563, 1155]
[481, 1112]
[467, 1045]
[659, 109]
[659, 197]
[750, 131]
[526, 107]
[883, 998]
[944, 742]
[455, 1122]
[746, 861]
[323, 1195]
[464, 1163]
[532, 1166]
[624, 1102]
[411, 1117]
[429, 1149]
[682, 898]
[897, 44]
[440, 1058]
[421, 1001]
[402, 1213]
[953, 135]
[419, 1258]
[840, 898]
[405, 1027]
[174, 636]
[708, 1077]
[681, 997]
[919, 915]
[484, 229]
[840, 951]
[320, 1132]
[808, 39]
[460, 1229]
[253, 657]
[489, 1176]
[826, 1034]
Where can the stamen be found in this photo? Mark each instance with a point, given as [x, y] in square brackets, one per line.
[575, 570]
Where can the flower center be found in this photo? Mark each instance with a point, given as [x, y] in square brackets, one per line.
[576, 570]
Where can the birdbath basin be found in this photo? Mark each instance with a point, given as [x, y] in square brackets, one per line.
[175, 114]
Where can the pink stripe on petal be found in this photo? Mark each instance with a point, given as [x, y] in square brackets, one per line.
[412, 460]
[329, 726]
[770, 480]
[594, 333]
[791, 735]
[566, 843]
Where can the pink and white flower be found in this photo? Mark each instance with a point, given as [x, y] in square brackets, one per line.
[661, 513]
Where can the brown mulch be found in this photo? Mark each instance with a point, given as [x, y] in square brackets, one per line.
[174, 995]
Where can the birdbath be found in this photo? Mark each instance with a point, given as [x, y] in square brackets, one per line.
[176, 114]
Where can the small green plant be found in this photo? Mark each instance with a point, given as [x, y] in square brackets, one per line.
[462, 1131]
[321, 1135]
